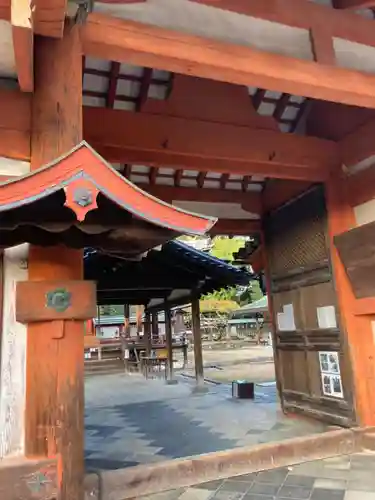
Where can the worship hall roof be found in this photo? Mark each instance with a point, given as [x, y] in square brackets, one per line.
[172, 273]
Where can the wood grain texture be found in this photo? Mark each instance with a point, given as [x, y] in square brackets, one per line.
[357, 252]
[55, 395]
[15, 125]
[28, 479]
[32, 302]
[13, 356]
[150, 46]
[209, 146]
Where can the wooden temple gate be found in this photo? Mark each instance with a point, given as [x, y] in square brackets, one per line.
[307, 322]
[240, 130]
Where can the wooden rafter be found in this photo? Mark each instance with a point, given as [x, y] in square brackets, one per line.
[23, 43]
[245, 182]
[142, 44]
[49, 17]
[280, 107]
[322, 45]
[200, 179]
[112, 84]
[153, 174]
[144, 88]
[212, 147]
[223, 180]
[177, 177]
[258, 98]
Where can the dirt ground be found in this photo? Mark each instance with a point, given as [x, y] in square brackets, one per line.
[253, 363]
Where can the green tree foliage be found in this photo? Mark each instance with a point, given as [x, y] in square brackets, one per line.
[224, 247]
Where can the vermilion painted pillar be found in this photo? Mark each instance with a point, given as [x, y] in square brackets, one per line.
[54, 392]
[360, 336]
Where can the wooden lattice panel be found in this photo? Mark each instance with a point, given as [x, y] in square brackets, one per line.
[302, 246]
[296, 235]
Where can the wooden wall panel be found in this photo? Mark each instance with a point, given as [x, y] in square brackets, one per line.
[299, 265]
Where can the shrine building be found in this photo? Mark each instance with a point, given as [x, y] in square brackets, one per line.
[126, 123]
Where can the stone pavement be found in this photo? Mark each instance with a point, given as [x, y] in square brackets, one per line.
[131, 421]
[341, 478]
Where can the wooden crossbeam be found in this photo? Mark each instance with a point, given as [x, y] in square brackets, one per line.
[48, 16]
[143, 138]
[23, 43]
[307, 15]
[178, 52]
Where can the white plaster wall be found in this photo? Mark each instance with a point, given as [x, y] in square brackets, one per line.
[13, 168]
[210, 22]
[13, 356]
[365, 212]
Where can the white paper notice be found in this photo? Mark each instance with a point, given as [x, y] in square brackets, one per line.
[326, 317]
[285, 319]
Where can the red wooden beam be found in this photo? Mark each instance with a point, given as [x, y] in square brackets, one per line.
[144, 88]
[15, 124]
[23, 44]
[306, 15]
[178, 52]
[177, 177]
[49, 17]
[129, 137]
[112, 86]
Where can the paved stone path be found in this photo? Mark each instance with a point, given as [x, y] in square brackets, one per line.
[131, 421]
[342, 478]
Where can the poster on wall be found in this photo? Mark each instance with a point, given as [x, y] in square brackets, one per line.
[330, 372]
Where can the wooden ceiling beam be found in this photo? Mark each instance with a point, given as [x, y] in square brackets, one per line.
[178, 52]
[49, 17]
[307, 15]
[159, 140]
[23, 43]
